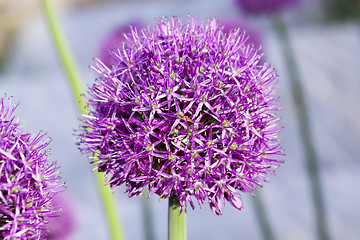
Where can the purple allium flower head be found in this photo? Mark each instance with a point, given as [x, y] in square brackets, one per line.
[63, 226]
[114, 39]
[27, 181]
[265, 6]
[231, 24]
[187, 111]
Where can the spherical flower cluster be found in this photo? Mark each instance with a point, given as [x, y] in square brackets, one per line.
[265, 6]
[27, 181]
[186, 111]
[114, 39]
[62, 227]
[229, 24]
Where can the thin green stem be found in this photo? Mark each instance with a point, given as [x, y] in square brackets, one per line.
[64, 53]
[147, 216]
[262, 217]
[312, 165]
[115, 225]
[77, 87]
[176, 222]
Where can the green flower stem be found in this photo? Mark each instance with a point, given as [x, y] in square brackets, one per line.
[305, 128]
[78, 89]
[176, 222]
[147, 216]
[115, 225]
[262, 217]
[64, 53]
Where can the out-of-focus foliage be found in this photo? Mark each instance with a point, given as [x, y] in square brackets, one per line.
[15, 13]
[342, 9]
[12, 14]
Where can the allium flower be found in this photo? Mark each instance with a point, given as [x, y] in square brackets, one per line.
[113, 41]
[265, 6]
[186, 111]
[231, 24]
[27, 181]
[60, 228]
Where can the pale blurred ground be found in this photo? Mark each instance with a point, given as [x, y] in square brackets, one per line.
[329, 59]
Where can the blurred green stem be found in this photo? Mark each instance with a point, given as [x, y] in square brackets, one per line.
[312, 165]
[176, 222]
[262, 217]
[78, 89]
[147, 221]
[64, 54]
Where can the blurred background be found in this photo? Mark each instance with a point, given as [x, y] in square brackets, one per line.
[325, 38]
